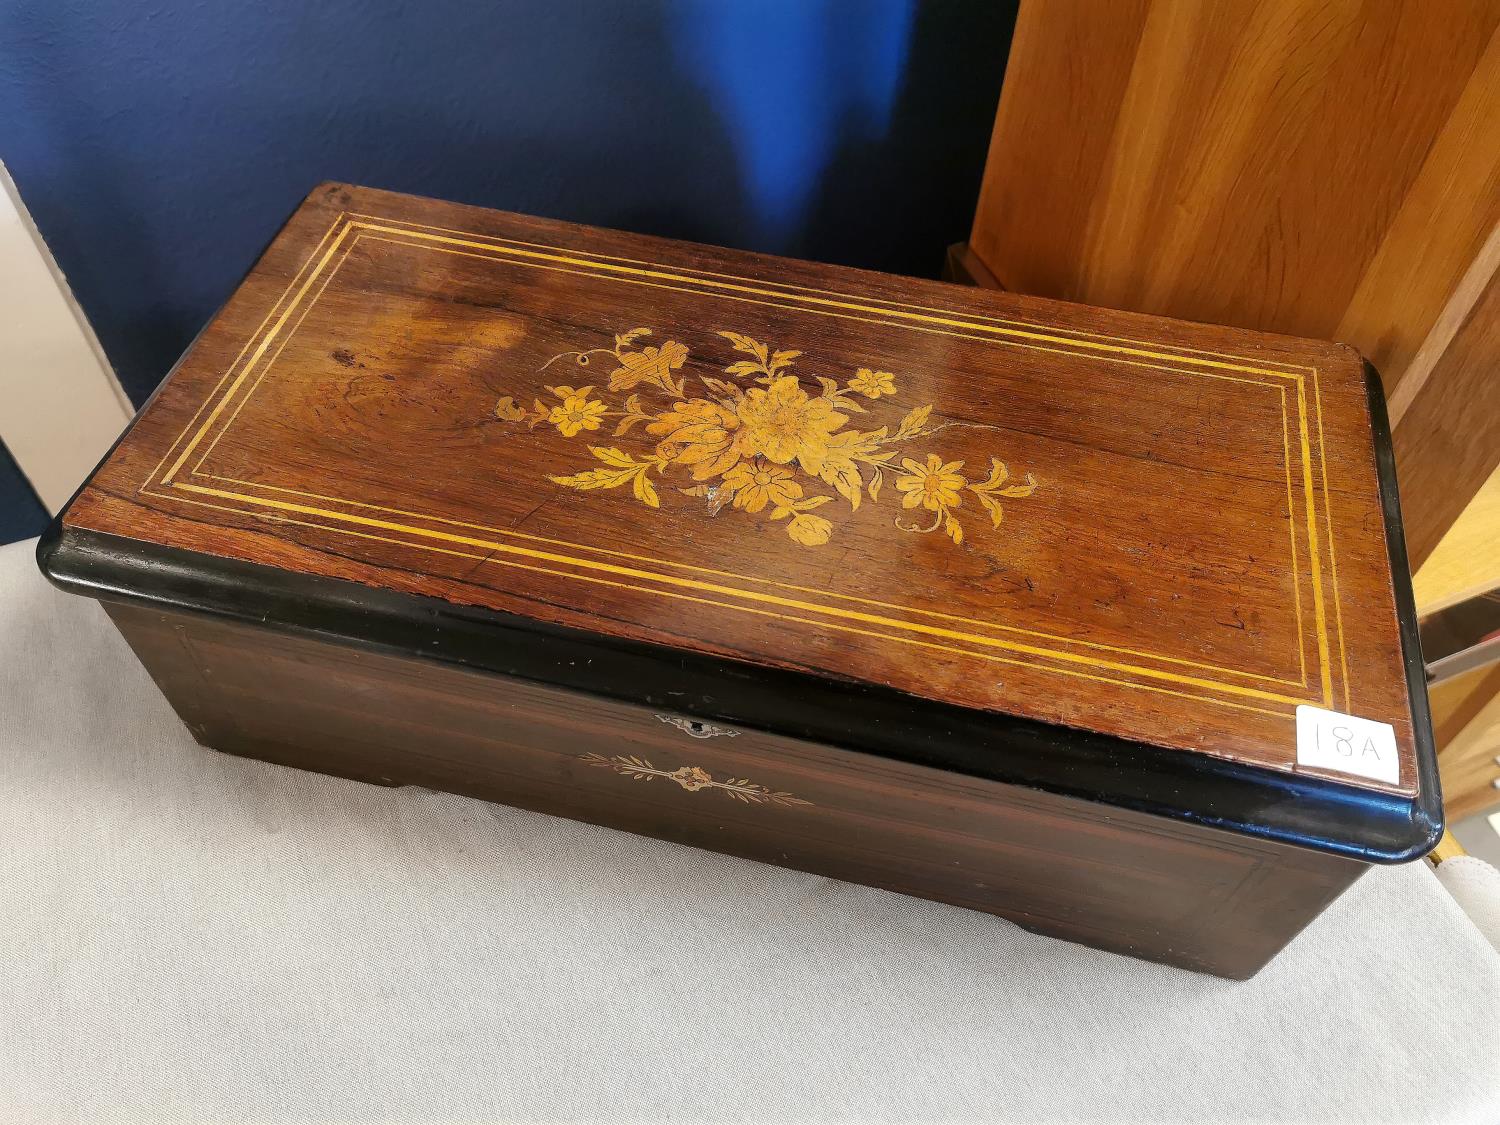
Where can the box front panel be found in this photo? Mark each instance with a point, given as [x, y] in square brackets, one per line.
[1118, 880]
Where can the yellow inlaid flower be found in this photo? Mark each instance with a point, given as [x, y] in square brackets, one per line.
[577, 412]
[935, 486]
[762, 440]
[810, 531]
[755, 486]
[873, 384]
[781, 423]
[697, 434]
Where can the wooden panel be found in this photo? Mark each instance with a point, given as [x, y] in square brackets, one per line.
[1148, 887]
[1440, 248]
[963, 267]
[1466, 721]
[1448, 440]
[1465, 563]
[1456, 703]
[1321, 168]
[799, 467]
[1070, 65]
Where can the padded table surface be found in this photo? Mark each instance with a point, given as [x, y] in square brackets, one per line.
[191, 937]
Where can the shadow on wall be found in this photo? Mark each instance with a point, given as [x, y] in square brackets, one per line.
[160, 145]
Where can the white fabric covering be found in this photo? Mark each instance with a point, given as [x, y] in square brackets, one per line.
[1475, 886]
[186, 936]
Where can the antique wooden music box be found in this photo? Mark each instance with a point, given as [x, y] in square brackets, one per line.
[1094, 621]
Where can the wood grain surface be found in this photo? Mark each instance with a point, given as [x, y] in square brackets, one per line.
[1448, 440]
[1466, 718]
[1326, 168]
[1146, 886]
[1184, 543]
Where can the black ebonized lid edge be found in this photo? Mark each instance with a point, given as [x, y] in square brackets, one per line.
[1255, 801]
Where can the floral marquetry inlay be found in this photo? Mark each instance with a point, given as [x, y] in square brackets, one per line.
[694, 778]
[761, 440]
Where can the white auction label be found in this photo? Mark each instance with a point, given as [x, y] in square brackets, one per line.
[1331, 740]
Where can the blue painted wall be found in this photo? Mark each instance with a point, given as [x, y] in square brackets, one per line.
[21, 513]
[159, 143]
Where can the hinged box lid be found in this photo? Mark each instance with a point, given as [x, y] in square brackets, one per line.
[1098, 552]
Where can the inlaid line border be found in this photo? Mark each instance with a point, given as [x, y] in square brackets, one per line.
[323, 253]
[199, 474]
[1065, 333]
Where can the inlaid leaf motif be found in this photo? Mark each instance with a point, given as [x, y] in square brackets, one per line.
[839, 396]
[766, 364]
[952, 529]
[743, 343]
[624, 469]
[693, 779]
[650, 365]
[595, 478]
[612, 456]
[847, 450]
[911, 425]
[840, 470]
[989, 490]
[729, 392]
[631, 413]
[645, 491]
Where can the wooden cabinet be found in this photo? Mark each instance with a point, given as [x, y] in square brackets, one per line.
[1315, 168]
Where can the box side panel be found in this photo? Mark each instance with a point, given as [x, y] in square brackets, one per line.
[1115, 879]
